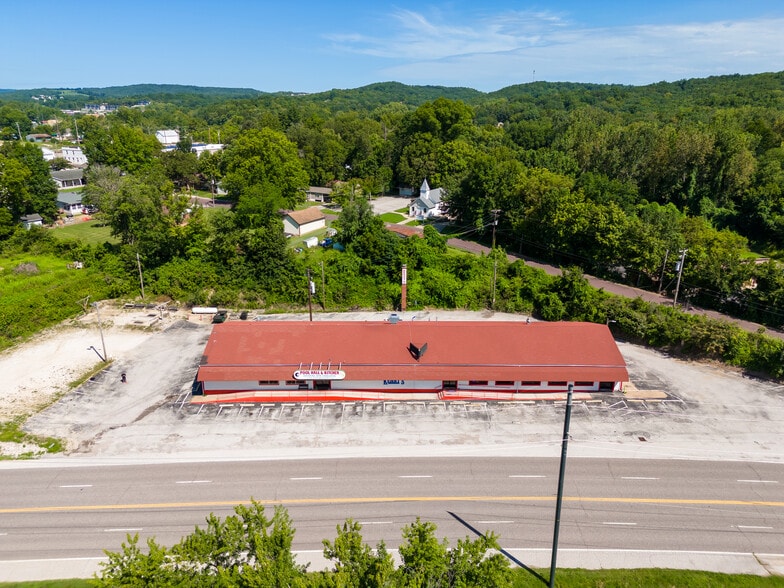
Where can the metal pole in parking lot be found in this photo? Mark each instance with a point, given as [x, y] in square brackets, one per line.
[559, 500]
[100, 329]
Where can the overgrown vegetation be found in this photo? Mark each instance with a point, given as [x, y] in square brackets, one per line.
[31, 445]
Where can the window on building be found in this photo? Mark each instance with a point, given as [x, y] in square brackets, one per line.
[449, 384]
[584, 384]
[477, 382]
[268, 382]
[529, 383]
[504, 382]
[558, 383]
[606, 386]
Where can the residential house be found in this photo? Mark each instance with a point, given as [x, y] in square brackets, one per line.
[316, 194]
[74, 155]
[38, 137]
[68, 178]
[49, 154]
[429, 204]
[70, 202]
[301, 222]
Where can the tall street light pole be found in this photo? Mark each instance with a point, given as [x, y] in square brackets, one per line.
[559, 499]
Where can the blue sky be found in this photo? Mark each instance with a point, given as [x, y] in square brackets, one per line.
[309, 46]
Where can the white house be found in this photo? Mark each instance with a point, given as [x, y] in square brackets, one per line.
[429, 203]
[301, 222]
[167, 137]
[49, 155]
[74, 155]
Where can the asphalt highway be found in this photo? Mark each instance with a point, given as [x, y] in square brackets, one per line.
[58, 514]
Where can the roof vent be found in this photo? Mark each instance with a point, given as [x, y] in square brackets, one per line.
[417, 352]
[393, 318]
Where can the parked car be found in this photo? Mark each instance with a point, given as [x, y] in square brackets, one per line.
[327, 242]
[220, 316]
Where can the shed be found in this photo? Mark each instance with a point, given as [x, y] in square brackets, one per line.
[301, 222]
[30, 220]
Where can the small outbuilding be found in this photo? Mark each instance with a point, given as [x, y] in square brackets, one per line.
[302, 222]
[32, 220]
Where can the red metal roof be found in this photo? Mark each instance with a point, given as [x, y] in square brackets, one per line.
[270, 350]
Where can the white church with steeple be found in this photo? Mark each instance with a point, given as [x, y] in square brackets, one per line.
[429, 203]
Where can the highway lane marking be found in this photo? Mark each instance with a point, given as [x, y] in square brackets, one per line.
[314, 478]
[415, 476]
[752, 527]
[759, 481]
[494, 522]
[128, 530]
[386, 499]
[619, 524]
[637, 478]
[526, 476]
[76, 486]
[193, 482]
[364, 523]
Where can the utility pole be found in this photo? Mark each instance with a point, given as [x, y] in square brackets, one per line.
[323, 288]
[495, 222]
[311, 290]
[559, 500]
[680, 272]
[141, 278]
[495, 267]
[664, 265]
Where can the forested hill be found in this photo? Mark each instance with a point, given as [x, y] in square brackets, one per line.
[123, 95]
[765, 90]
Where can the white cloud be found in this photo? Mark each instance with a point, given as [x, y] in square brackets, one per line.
[495, 51]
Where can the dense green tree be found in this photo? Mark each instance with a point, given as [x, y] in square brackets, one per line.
[119, 145]
[264, 156]
[181, 168]
[356, 564]
[25, 185]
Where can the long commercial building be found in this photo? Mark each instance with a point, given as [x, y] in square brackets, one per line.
[296, 361]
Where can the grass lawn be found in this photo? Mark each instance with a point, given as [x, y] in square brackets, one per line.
[92, 232]
[403, 210]
[391, 217]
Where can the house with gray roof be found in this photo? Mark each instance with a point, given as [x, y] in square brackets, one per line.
[70, 202]
[68, 178]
